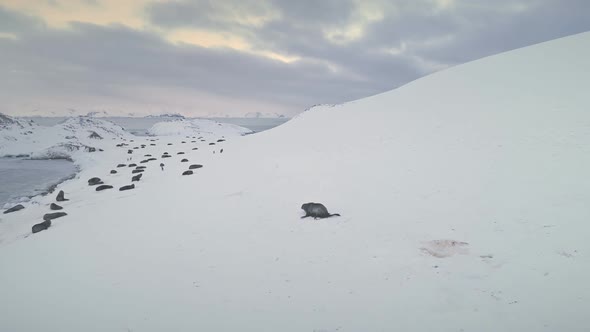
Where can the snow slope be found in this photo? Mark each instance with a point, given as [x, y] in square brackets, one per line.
[463, 198]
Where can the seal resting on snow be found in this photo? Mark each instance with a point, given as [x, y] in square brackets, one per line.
[136, 177]
[61, 197]
[94, 181]
[184, 160]
[14, 208]
[54, 215]
[54, 207]
[316, 210]
[103, 187]
[41, 226]
[187, 173]
[113, 171]
[127, 187]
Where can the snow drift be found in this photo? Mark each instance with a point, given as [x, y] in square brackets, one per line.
[463, 198]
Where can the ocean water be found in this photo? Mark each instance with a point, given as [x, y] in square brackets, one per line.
[21, 178]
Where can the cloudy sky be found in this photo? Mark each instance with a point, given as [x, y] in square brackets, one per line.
[231, 57]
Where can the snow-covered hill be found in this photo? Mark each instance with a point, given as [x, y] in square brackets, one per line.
[64, 140]
[463, 198]
[196, 127]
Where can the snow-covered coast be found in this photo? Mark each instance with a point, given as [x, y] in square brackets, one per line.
[463, 201]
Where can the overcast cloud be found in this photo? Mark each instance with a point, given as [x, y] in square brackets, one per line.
[230, 57]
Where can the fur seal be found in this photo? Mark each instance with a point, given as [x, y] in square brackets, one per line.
[41, 226]
[103, 187]
[127, 187]
[61, 197]
[54, 215]
[54, 207]
[94, 181]
[14, 208]
[316, 210]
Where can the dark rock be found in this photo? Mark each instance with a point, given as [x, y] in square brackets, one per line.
[103, 187]
[127, 187]
[136, 177]
[41, 226]
[54, 207]
[94, 181]
[113, 171]
[180, 152]
[136, 171]
[121, 165]
[132, 165]
[61, 197]
[187, 173]
[195, 166]
[184, 161]
[14, 208]
[54, 215]
[89, 149]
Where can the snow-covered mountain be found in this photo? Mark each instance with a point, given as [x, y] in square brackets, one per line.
[464, 202]
[196, 127]
[84, 134]
[259, 115]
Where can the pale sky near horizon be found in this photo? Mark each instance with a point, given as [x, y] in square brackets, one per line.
[232, 57]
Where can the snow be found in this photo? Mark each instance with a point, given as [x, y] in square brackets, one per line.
[195, 127]
[463, 198]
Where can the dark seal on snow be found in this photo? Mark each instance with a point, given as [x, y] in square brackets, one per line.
[195, 148]
[61, 197]
[121, 165]
[137, 171]
[41, 227]
[184, 161]
[103, 187]
[195, 166]
[136, 177]
[54, 215]
[316, 210]
[127, 187]
[94, 181]
[187, 173]
[113, 171]
[54, 207]
[132, 165]
[14, 208]
[180, 152]
[141, 167]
